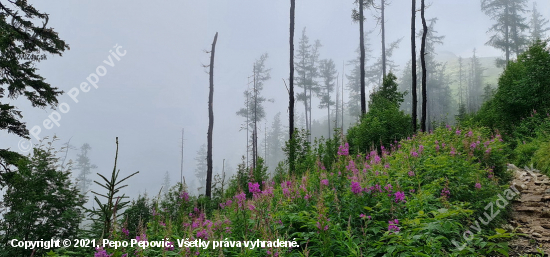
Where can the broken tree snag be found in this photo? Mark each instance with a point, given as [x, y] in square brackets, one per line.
[210, 121]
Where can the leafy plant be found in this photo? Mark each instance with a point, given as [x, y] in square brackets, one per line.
[107, 212]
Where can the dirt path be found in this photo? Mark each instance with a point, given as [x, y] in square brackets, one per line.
[531, 212]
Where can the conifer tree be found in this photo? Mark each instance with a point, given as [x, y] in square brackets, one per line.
[85, 167]
[255, 111]
[24, 30]
[328, 74]
[508, 31]
[538, 24]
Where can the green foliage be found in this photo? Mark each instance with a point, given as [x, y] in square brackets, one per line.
[137, 215]
[239, 181]
[107, 212]
[303, 159]
[523, 87]
[259, 173]
[541, 158]
[384, 123]
[21, 33]
[434, 186]
[41, 202]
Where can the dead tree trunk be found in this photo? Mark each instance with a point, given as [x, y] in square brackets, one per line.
[413, 67]
[383, 23]
[291, 90]
[423, 60]
[362, 49]
[210, 121]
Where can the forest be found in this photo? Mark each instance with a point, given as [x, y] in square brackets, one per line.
[403, 132]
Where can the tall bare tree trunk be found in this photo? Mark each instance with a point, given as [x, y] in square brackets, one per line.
[291, 90]
[383, 23]
[507, 34]
[328, 112]
[210, 121]
[362, 49]
[423, 60]
[413, 72]
[342, 104]
[247, 127]
[255, 132]
[337, 99]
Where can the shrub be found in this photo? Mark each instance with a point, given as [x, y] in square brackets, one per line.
[541, 158]
[384, 124]
[523, 86]
[40, 202]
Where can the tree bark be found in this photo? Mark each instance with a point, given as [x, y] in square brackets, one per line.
[328, 112]
[507, 33]
[413, 68]
[362, 49]
[383, 22]
[255, 132]
[423, 60]
[291, 89]
[210, 121]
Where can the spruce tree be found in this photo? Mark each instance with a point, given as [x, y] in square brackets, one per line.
[328, 74]
[85, 167]
[508, 31]
[24, 30]
[538, 24]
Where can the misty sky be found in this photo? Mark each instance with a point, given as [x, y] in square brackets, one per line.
[160, 85]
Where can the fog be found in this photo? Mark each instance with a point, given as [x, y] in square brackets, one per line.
[160, 86]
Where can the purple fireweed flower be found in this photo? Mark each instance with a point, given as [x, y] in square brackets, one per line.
[254, 188]
[400, 197]
[376, 159]
[240, 198]
[388, 187]
[473, 145]
[343, 150]
[392, 227]
[356, 187]
[420, 149]
[125, 231]
[411, 173]
[143, 237]
[445, 192]
[453, 151]
[185, 196]
[387, 166]
[251, 207]
[286, 192]
[169, 246]
[449, 127]
[478, 186]
[470, 133]
[458, 132]
[100, 252]
[324, 182]
[203, 234]
[412, 190]
[362, 215]
[414, 154]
